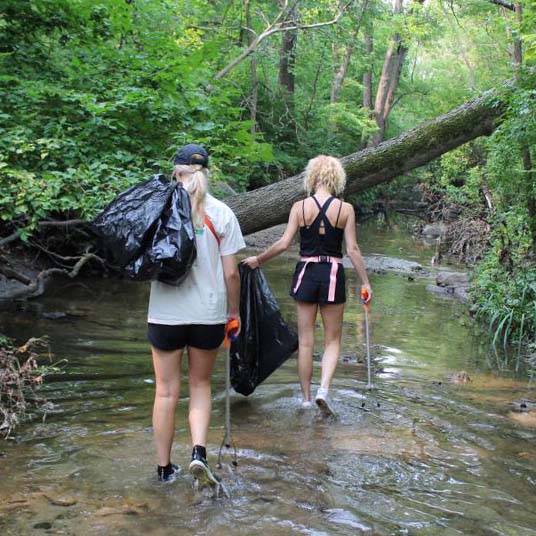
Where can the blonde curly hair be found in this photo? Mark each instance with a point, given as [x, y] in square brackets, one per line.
[324, 171]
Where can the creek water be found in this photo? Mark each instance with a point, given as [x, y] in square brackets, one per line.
[434, 458]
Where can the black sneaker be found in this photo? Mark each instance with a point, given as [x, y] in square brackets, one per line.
[167, 473]
[199, 468]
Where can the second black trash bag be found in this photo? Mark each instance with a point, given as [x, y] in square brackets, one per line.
[265, 341]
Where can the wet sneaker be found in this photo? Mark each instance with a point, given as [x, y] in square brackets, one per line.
[200, 470]
[324, 403]
[307, 404]
[168, 473]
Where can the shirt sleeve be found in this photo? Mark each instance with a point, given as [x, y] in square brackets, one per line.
[232, 240]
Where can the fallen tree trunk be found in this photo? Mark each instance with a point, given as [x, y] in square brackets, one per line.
[270, 205]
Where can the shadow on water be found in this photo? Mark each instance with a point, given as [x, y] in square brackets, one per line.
[434, 458]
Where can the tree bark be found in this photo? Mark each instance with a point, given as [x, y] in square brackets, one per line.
[252, 72]
[271, 204]
[367, 76]
[341, 67]
[397, 72]
[389, 79]
[340, 74]
[287, 63]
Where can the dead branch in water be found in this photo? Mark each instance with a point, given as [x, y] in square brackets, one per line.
[468, 239]
[35, 287]
[19, 378]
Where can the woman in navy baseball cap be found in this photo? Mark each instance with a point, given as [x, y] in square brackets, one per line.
[193, 316]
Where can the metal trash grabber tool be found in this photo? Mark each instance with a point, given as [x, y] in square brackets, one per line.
[365, 297]
[365, 300]
[231, 334]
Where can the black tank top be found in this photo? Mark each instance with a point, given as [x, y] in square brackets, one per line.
[312, 242]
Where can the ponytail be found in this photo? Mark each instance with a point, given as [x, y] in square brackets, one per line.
[195, 181]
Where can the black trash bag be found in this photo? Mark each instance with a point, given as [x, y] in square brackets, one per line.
[131, 217]
[171, 251]
[265, 341]
[149, 232]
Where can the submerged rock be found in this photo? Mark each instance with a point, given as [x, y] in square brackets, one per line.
[435, 230]
[460, 377]
[452, 279]
[451, 285]
[54, 315]
[60, 501]
[381, 264]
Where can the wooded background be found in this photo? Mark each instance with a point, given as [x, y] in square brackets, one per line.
[97, 95]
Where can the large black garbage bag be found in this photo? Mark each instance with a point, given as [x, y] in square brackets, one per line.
[265, 341]
[127, 221]
[149, 232]
[170, 252]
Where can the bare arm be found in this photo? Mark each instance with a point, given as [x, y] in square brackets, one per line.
[232, 284]
[281, 245]
[353, 251]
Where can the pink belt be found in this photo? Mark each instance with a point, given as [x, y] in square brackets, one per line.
[335, 261]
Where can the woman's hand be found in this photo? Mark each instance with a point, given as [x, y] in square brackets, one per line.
[251, 262]
[366, 294]
[236, 317]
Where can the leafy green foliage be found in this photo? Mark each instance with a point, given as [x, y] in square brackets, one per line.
[94, 96]
[97, 96]
[504, 283]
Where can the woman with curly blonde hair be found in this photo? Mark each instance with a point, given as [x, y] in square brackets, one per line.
[319, 283]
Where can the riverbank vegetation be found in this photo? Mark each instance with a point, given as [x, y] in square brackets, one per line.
[95, 96]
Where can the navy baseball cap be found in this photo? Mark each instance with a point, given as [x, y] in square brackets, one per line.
[191, 154]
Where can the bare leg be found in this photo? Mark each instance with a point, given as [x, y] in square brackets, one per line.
[200, 365]
[306, 336]
[167, 372]
[332, 319]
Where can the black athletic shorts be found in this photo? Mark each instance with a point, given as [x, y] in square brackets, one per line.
[314, 287]
[202, 336]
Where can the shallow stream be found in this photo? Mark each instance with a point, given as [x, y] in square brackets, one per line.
[435, 457]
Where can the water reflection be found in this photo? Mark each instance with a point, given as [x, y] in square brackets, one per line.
[433, 458]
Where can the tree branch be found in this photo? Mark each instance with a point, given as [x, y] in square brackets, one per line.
[36, 287]
[273, 28]
[504, 3]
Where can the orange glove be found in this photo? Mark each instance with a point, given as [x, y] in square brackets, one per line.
[232, 328]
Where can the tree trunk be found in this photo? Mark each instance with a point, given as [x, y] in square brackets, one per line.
[397, 72]
[367, 76]
[340, 74]
[389, 79]
[271, 204]
[252, 73]
[287, 56]
[287, 62]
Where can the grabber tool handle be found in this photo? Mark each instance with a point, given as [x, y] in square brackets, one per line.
[365, 297]
[231, 331]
